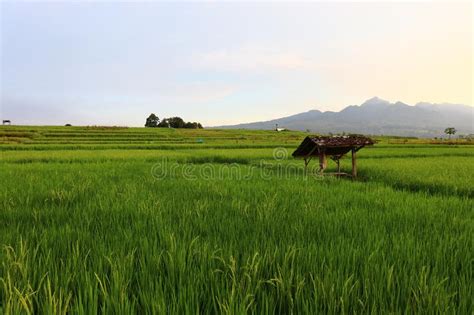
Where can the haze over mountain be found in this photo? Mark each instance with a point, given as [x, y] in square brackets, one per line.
[378, 117]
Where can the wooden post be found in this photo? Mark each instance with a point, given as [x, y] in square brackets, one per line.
[322, 162]
[338, 166]
[354, 163]
[305, 165]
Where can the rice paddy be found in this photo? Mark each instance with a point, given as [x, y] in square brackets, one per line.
[135, 220]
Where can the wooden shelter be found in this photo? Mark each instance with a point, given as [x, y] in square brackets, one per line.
[334, 147]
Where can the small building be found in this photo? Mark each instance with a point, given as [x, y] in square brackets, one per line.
[334, 147]
[278, 129]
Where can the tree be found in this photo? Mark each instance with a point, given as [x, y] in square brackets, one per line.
[193, 125]
[176, 122]
[164, 123]
[450, 131]
[190, 125]
[152, 121]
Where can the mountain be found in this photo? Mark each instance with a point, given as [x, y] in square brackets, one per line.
[378, 117]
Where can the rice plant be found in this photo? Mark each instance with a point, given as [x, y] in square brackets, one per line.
[97, 231]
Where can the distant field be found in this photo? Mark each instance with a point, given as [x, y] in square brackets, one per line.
[135, 220]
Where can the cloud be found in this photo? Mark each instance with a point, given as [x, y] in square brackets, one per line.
[250, 59]
[196, 92]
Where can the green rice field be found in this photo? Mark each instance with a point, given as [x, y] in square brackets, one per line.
[166, 221]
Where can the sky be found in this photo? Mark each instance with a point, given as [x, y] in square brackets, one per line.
[114, 63]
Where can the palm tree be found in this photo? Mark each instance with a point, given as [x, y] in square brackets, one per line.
[450, 131]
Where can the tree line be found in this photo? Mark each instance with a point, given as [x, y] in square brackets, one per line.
[172, 122]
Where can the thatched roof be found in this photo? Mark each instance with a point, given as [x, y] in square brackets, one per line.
[331, 145]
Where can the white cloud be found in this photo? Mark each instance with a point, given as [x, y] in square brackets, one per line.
[250, 59]
[197, 92]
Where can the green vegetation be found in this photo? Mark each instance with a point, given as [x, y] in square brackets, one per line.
[137, 220]
[172, 122]
[450, 131]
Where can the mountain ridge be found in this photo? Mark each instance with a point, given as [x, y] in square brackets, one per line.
[377, 116]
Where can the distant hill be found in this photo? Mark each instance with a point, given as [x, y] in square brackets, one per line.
[378, 117]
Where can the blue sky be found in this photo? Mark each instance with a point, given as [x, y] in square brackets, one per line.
[110, 63]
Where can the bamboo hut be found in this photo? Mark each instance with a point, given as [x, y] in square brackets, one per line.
[334, 147]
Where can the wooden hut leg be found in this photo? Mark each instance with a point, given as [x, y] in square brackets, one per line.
[354, 164]
[338, 166]
[322, 162]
